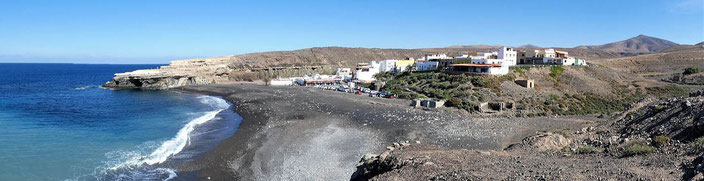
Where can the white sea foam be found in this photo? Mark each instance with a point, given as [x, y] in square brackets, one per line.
[134, 159]
[86, 87]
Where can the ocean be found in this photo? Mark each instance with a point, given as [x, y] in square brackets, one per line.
[56, 123]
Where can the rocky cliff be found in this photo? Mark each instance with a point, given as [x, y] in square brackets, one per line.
[178, 73]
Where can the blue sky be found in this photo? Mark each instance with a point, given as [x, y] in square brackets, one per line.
[154, 31]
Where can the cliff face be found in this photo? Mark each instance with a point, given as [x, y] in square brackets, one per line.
[179, 73]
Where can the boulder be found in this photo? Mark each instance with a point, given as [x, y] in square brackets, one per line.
[550, 142]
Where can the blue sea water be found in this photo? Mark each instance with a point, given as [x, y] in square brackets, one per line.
[56, 123]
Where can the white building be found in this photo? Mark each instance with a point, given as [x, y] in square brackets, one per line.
[485, 55]
[281, 82]
[553, 57]
[491, 69]
[493, 63]
[547, 53]
[387, 65]
[508, 56]
[345, 73]
[365, 71]
[433, 62]
[426, 65]
[505, 57]
[318, 79]
[564, 61]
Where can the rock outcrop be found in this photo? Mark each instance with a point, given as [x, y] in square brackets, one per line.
[548, 142]
[371, 165]
[178, 73]
[691, 79]
[677, 118]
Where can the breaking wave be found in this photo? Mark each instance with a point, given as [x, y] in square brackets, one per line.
[86, 87]
[135, 165]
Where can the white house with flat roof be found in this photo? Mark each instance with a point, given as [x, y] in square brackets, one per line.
[491, 69]
[433, 62]
[426, 65]
[493, 63]
[508, 56]
[554, 57]
[387, 65]
[345, 73]
[364, 72]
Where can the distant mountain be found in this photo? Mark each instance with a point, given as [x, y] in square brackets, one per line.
[640, 44]
[529, 46]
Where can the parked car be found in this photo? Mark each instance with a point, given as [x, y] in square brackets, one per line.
[388, 94]
[358, 92]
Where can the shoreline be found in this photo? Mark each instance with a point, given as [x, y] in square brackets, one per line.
[211, 162]
[193, 140]
[285, 128]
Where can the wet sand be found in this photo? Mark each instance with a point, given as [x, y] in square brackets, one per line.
[303, 133]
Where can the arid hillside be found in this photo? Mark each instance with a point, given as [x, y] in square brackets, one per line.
[640, 44]
[658, 63]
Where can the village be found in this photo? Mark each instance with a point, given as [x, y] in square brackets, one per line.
[362, 80]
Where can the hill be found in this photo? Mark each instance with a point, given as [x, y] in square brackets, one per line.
[672, 61]
[684, 47]
[640, 44]
[529, 46]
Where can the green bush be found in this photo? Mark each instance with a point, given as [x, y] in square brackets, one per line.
[661, 140]
[698, 143]
[587, 150]
[691, 70]
[507, 77]
[668, 91]
[455, 102]
[587, 103]
[521, 70]
[556, 71]
[638, 148]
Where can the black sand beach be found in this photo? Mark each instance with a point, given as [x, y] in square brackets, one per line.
[303, 133]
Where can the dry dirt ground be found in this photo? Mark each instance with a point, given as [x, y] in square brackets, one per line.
[670, 127]
[428, 162]
[657, 63]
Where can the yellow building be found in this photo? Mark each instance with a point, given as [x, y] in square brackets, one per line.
[401, 65]
[463, 60]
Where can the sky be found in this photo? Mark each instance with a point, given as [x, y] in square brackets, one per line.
[128, 32]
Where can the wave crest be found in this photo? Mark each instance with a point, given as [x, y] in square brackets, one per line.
[134, 159]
